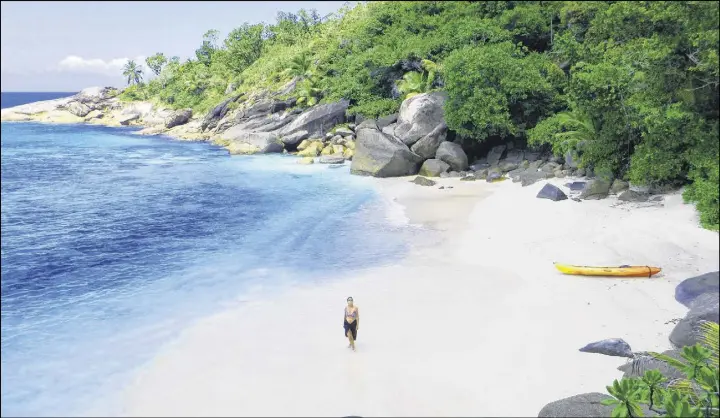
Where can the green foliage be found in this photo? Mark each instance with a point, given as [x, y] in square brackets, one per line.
[156, 62]
[307, 92]
[498, 89]
[205, 53]
[132, 72]
[565, 131]
[414, 83]
[300, 66]
[632, 87]
[244, 46]
[694, 396]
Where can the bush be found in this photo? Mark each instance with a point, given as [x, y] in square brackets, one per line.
[498, 89]
[694, 396]
[632, 86]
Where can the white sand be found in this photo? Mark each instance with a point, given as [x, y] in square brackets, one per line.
[476, 321]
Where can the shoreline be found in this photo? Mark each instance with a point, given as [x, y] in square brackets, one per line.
[489, 315]
[459, 327]
[150, 118]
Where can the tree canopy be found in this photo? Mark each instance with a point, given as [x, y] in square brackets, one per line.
[631, 86]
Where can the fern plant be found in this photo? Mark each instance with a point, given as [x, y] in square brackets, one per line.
[579, 127]
[414, 83]
[308, 93]
[695, 396]
[301, 66]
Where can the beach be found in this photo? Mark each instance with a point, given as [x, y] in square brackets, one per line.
[474, 321]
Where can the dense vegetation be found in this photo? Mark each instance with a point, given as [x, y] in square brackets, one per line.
[632, 87]
[695, 395]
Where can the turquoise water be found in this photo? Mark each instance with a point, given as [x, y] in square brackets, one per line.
[112, 243]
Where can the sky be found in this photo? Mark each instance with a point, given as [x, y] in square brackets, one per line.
[65, 46]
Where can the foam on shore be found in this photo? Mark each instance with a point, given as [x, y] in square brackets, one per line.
[476, 321]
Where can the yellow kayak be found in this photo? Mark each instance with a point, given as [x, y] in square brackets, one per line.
[620, 271]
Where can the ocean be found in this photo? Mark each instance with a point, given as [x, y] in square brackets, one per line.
[11, 99]
[112, 243]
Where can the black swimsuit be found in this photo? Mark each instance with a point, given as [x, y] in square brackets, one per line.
[352, 327]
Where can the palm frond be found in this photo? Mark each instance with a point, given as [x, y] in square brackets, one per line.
[709, 336]
[669, 360]
[411, 82]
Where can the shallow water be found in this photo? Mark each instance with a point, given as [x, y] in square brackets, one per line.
[113, 242]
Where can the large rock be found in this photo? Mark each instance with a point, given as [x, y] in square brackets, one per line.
[388, 130]
[616, 347]
[496, 154]
[422, 181]
[427, 146]
[618, 186]
[126, 119]
[367, 124]
[379, 155]
[452, 154]
[318, 120]
[95, 95]
[78, 109]
[506, 166]
[332, 159]
[596, 189]
[633, 196]
[419, 115]
[214, 116]
[705, 307]
[689, 289]
[265, 107]
[576, 185]
[343, 131]
[387, 120]
[312, 149]
[578, 406]
[295, 137]
[244, 142]
[645, 362]
[179, 117]
[571, 159]
[551, 192]
[515, 156]
[433, 168]
[530, 177]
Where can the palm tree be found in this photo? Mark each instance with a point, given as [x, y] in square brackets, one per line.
[578, 126]
[300, 66]
[308, 92]
[411, 84]
[132, 72]
[414, 83]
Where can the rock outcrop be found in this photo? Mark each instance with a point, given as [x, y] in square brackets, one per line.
[211, 119]
[453, 155]
[587, 405]
[551, 192]
[616, 347]
[178, 117]
[422, 181]
[427, 146]
[418, 116]
[433, 168]
[705, 307]
[380, 155]
[689, 289]
[579, 406]
[318, 120]
[239, 141]
[596, 189]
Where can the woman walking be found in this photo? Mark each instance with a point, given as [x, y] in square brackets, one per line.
[351, 322]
